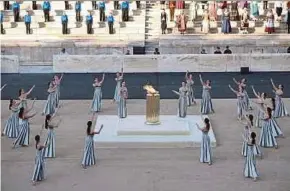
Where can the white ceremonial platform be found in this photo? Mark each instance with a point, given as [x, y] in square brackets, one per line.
[133, 132]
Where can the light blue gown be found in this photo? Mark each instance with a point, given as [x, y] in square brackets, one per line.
[205, 148]
[247, 100]
[254, 8]
[190, 97]
[97, 99]
[280, 109]
[24, 133]
[241, 106]
[122, 105]
[275, 128]
[89, 158]
[250, 169]
[182, 102]
[49, 151]
[256, 148]
[117, 89]
[206, 103]
[267, 138]
[39, 167]
[11, 127]
[23, 104]
[49, 108]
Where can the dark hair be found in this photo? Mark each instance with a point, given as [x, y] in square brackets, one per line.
[207, 124]
[47, 118]
[273, 103]
[10, 103]
[37, 139]
[253, 136]
[265, 95]
[251, 117]
[227, 47]
[19, 92]
[282, 87]
[21, 112]
[89, 124]
[269, 112]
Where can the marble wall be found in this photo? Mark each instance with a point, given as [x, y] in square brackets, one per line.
[170, 63]
[9, 64]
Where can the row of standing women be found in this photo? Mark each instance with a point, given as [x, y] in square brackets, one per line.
[17, 125]
[265, 114]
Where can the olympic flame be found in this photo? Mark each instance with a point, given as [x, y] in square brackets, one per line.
[150, 89]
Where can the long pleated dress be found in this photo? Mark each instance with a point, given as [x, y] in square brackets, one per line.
[117, 89]
[267, 138]
[49, 107]
[39, 167]
[190, 95]
[122, 105]
[206, 103]
[24, 133]
[280, 109]
[49, 150]
[182, 102]
[250, 169]
[89, 158]
[11, 127]
[97, 99]
[205, 148]
[241, 106]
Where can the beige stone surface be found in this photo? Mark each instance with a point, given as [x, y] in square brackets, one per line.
[171, 63]
[144, 169]
[9, 64]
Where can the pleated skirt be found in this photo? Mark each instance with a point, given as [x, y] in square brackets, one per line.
[250, 169]
[11, 127]
[96, 104]
[49, 150]
[280, 109]
[274, 127]
[49, 107]
[267, 138]
[89, 152]
[122, 108]
[205, 149]
[23, 135]
[206, 104]
[39, 168]
[182, 106]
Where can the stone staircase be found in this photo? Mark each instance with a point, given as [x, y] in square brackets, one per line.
[152, 27]
[132, 32]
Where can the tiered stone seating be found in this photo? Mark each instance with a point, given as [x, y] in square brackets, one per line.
[194, 25]
[134, 30]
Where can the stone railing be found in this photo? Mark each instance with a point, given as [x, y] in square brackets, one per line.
[170, 63]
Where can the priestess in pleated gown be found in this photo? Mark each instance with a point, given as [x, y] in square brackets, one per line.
[118, 79]
[97, 99]
[205, 147]
[261, 100]
[122, 105]
[39, 167]
[182, 101]
[189, 86]
[23, 97]
[267, 137]
[11, 127]
[241, 106]
[246, 138]
[206, 103]
[242, 83]
[24, 129]
[50, 106]
[89, 158]
[57, 82]
[280, 109]
[250, 168]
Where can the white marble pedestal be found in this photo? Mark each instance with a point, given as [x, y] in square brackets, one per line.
[132, 132]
